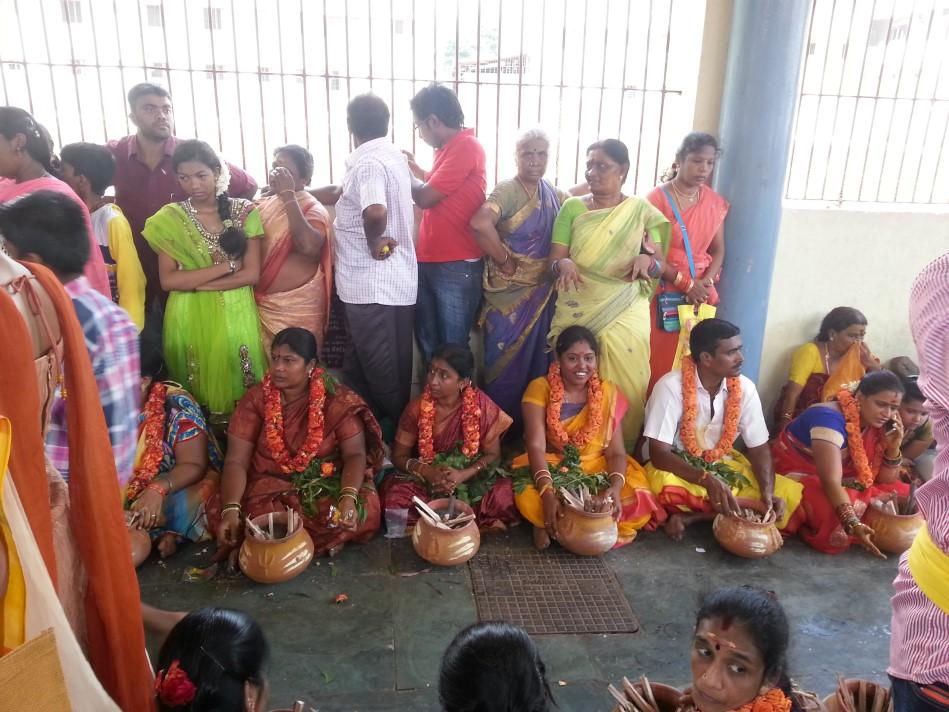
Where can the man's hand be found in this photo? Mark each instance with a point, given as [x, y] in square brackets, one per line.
[381, 248]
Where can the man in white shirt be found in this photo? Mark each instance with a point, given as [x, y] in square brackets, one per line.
[376, 270]
[687, 459]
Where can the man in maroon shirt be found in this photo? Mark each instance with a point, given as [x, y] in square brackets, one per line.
[450, 265]
[144, 180]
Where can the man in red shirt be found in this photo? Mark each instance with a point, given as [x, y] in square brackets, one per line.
[450, 266]
[144, 180]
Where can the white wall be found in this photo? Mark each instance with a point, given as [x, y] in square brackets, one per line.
[864, 256]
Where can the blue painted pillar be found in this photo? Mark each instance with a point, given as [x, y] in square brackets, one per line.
[760, 96]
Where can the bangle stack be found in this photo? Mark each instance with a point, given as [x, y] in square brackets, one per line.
[620, 475]
[231, 506]
[655, 269]
[408, 465]
[155, 487]
[683, 283]
[351, 492]
[847, 516]
[892, 461]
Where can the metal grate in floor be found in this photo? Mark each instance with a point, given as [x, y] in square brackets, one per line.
[548, 592]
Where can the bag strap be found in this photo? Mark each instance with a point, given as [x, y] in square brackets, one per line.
[682, 229]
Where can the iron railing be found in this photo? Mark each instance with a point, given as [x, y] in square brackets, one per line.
[248, 76]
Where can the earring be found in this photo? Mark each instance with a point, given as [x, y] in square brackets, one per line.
[309, 374]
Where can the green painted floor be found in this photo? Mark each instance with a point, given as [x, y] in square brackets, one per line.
[381, 649]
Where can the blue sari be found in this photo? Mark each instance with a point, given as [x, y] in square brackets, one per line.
[518, 309]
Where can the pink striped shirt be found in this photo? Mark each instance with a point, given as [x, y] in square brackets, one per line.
[919, 642]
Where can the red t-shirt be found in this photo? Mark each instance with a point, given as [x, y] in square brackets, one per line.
[458, 173]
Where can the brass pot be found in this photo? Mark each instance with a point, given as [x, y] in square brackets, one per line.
[868, 695]
[586, 533]
[141, 546]
[446, 547]
[276, 560]
[894, 533]
[751, 540]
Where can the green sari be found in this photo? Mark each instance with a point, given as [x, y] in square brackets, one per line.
[212, 340]
[603, 244]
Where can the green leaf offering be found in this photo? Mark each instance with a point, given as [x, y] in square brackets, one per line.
[322, 479]
[567, 474]
[734, 479]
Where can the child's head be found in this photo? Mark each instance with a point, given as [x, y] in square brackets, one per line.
[740, 648]
[88, 168]
[213, 659]
[913, 408]
[493, 666]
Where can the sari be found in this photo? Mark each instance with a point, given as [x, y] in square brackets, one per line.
[808, 370]
[183, 512]
[307, 305]
[36, 526]
[94, 269]
[211, 339]
[518, 310]
[816, 521]
[269, 489]
[603, 245]
[496, 510]
[637, 501]
[702, 221]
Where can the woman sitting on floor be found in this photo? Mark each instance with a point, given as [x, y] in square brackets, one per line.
[819, 368]
[572, 408]
[177, 461]
[301, 440]
[848, 451]
[455, 431]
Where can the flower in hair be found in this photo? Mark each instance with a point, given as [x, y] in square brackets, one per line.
[223, 178]
[173, 686]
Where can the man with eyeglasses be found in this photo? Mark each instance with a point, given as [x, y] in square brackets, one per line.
[144, 180]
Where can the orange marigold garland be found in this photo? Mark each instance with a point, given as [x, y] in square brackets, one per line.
[774, 700]
[274, 429]
[153, 425]
[555, 403]
[690, 411]
[866, 471]
[470, 424]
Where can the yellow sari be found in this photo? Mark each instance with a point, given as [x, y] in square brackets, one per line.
[603, 245]
[638, 503]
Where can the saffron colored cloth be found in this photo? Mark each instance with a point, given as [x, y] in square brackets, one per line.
[113, 623]
[518, 310]
[268, 488]
[816, 521]
[126, 278]
[808, 371]
[702, 221]
[183, 511]
[307, 305]
[638, 504]
[212, 340]
[94, 269]
[920, 627]
[458, 173]
[111, 341]
[496, 510]
[603, 245]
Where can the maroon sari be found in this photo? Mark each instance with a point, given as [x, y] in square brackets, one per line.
[496, 510]
[269, 489]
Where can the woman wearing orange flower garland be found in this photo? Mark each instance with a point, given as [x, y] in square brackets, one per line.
[849, 453]
[297, 417]
[177, 461]
[452, 418]
[572, 406]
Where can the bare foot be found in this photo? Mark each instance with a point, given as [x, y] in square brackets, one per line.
[675, 527]
[541, 538]
[167, 544]
[335, 551]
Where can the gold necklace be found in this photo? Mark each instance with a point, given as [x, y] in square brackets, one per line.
[597, 206]
[530, 196]
[681, 197]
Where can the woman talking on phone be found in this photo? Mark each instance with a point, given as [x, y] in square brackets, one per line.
[847, 453]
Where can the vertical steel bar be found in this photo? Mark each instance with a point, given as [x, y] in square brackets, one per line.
[141, 38]
[929, 115]
[306, 94]
[26, 65]
[52, 78]
[606, 39]
[540, 66]
[942, 145]
[95, 54]
[642, 109]
[497, 104]
[349, 90]
[435, 41]
[807, 60]
[478, 70]
[75, 80]
[217, 101]
[414, 50]
[622, 98]
[118, 43]
[164, 38]
[520, 68]
[369, 26]
[563, 54]
[823, 77]
[237, 81]
[457, 40]
[3, 80]
[583, 66]
[326, 77]
[260, 85]
[283, 76]
[194, 104]
[391, 66]
[662, 99]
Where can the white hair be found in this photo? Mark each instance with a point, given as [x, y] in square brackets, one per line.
[532, 134]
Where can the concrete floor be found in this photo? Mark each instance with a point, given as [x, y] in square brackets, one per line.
[380, 650]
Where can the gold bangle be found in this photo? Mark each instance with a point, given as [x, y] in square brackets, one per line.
[545, 489]
[617, 474]
[349, 490]
[346, 494]
[232, 506]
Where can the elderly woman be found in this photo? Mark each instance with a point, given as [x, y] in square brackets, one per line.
[513, 228]
[846, 452]
[296, 273]
[303, 441]
[605, 256]
[819, 368]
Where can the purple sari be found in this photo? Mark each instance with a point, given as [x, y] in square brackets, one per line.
[518, 309]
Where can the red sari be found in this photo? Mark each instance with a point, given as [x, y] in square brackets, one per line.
[815, 520]
[269, 489]
[702, 220]
[497, 509]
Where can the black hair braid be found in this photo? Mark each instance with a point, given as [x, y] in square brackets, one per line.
[233, 240]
